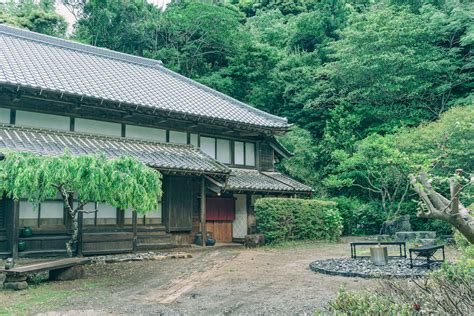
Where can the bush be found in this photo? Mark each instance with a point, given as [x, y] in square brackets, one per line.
[282, 219]
[447, 291]
[359, 218]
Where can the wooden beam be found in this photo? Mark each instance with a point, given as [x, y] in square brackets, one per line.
[15, 223]
[134, 227]
[203, 211]
[80, 222]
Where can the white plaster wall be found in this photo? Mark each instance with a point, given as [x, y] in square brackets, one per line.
[4, 116]
[239, 225]
[42, 120]
[52, 209]
[146, 133]
[178, 137]
[97, 127]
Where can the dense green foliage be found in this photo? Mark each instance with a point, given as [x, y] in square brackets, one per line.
[35, 16]
[297, 219]
[357, 77]
[123, 182]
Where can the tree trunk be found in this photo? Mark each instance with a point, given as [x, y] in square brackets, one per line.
[439, 207]
[75, 232]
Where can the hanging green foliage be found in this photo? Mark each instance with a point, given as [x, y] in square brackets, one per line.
[123, 182]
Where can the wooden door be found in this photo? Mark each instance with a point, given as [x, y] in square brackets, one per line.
[221, 231]
[178, 197]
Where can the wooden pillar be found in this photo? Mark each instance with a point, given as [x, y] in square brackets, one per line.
[15, 208]
[134, 227]
[249, 213]
[203, 211]
[80, 224]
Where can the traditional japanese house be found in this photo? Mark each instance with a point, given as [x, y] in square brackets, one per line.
[216, 154]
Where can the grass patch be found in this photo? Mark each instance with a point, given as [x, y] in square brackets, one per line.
[34, 299]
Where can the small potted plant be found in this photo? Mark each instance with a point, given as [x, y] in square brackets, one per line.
[26, 231]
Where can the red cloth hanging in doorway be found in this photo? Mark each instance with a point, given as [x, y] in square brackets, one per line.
[220, 209]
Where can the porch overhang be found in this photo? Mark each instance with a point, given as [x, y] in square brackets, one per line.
[254, 181]
[166, 158]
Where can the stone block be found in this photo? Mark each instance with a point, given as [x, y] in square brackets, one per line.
[67, 274]
[405, 236]
[398, 224]
[15, 278]
[425, 235]
[428, 242]
[255, 240]
[15, 285]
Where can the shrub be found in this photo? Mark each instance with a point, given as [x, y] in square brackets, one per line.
[282, 219]
[359, 218]
[447, 291]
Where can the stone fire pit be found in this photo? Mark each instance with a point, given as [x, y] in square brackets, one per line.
[364, 268]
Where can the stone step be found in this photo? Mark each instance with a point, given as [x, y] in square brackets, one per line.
[405, 236]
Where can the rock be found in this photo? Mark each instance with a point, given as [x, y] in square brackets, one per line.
[428, 242]
[255, 240]
[15, 285]
[383, 237]
[15, 278]
[67, 274]
[401, 223]
[425, 235]
[405, 236]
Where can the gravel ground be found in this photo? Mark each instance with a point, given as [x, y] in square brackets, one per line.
[217, 281]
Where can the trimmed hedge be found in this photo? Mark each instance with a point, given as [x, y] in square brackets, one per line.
[281, 219]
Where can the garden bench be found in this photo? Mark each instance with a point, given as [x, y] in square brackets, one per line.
[62, 269]
[427, 252]
[401, 244]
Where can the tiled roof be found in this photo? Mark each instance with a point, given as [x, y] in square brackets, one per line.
[161, 156]
[33, 60]
[253, 180]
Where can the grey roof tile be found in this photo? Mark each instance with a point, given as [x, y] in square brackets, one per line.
[161, 156]
[38, 61]
[254, 180]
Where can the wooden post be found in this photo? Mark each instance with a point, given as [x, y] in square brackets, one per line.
[80, 222]
[15, 225]
[203, 211]
[134, 227]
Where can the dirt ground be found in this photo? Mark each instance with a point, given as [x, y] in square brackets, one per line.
[216, 281]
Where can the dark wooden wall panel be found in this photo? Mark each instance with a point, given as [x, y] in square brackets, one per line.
[266, 157]
[179, 202]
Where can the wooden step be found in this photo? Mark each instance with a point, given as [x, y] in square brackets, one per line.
[155, 246]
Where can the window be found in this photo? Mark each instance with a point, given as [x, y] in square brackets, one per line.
[223, 150]
[193, 139]
[178, 137]
[49, 213]
[208, 146]
[147, 133]
[239, 153]
[106, 214]
[249, 154]
[244, 153]
[32, 119]
[98, 127]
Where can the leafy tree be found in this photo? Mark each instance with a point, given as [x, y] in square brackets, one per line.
[436, 206]
[378, 168]
[37, 17]
[123, 182]
[194, 37]
[391, 61]
[128, 26]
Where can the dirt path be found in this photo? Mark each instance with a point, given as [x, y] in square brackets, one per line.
[221, 281]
